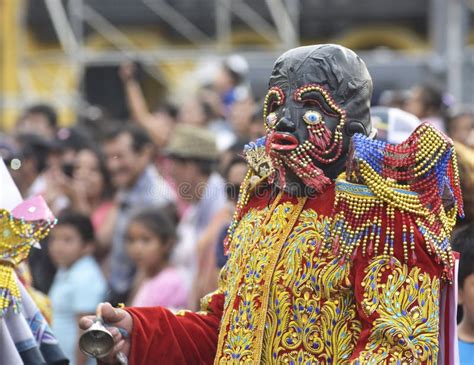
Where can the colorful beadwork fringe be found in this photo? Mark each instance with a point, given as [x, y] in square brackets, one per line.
[9, 290]
[411, 182]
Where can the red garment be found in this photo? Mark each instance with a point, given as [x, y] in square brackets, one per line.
[292, 296]
[161, 337]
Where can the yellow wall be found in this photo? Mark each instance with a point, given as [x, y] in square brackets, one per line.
[52, 81]
[55, 79]
[392, 37]
[9, 87]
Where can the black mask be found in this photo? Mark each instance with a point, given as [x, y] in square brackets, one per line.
[319, 96]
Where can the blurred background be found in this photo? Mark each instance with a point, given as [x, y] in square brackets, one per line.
[130, 118]
[67, 52]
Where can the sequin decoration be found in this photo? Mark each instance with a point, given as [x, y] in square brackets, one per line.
[312, 318]
[254, 254]
[16, 238]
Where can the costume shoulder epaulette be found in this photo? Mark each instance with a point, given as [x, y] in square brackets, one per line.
[415, 184]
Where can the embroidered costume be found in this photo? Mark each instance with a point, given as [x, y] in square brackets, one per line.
[25, 336]
[325, 267]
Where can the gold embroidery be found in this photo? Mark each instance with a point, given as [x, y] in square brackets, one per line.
[297, 357]
[312, 316]
[17, 236]
[257, 252]
[248, 234]
[406, 302]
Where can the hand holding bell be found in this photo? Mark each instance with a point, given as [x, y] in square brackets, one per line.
[111, 343]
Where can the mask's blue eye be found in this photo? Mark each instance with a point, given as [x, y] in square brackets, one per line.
[311, 117]
[271, 120]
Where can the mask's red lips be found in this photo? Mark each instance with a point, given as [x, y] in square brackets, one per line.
[280, 141]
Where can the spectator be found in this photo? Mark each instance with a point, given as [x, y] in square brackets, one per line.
[129, 156]
[394, 98]
[230, 81]
[54, 184]
[39, 119]
[28, 167]
[91, 191]
[8, 150]
[58, 182]
[193, 154]
[31, 159]
[393, 125]
[234, 175]
[216, 124]
[69, 141]
[257, 126]
[150, 238]
[461, 125]
[78, 285]
[465, 157]
[212, 237]
[195, 112]
[463, 242]
[159, 125]
[240, 118]
[226, 157]
[426, 103]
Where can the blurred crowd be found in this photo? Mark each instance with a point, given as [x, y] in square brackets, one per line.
[143, 205]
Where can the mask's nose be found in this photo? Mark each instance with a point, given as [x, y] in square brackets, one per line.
[285, 125]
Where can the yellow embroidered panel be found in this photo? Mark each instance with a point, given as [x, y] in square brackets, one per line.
[311, 316]
[254, 244]
[406, 302]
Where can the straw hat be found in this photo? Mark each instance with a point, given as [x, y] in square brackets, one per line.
[192, 142]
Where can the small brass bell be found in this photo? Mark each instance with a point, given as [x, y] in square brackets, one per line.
[97, 341]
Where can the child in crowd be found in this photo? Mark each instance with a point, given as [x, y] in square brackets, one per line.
[150, 238]
[78, 285]
[464, 244]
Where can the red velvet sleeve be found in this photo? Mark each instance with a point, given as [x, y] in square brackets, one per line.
[162, 337]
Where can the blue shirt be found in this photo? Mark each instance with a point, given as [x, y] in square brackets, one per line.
[466, 352]
[75, 290]
[221, 258]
